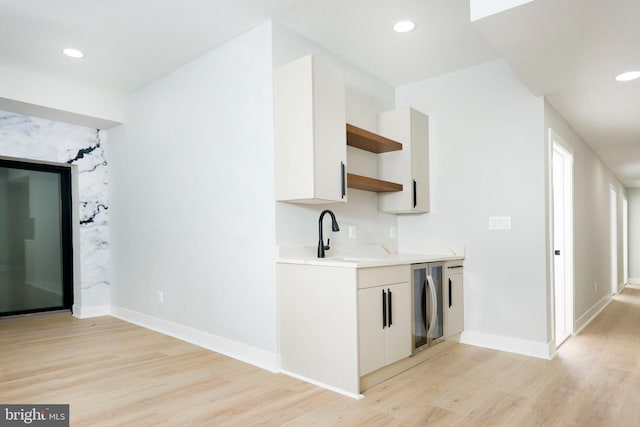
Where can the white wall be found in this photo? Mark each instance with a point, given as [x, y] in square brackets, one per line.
[591, 183]
[365, 97]
[634, 235]
[193, 210]
[193, 201]
[487, 159]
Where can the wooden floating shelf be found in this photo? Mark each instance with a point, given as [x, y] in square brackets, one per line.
[370, 141]
[365, 183]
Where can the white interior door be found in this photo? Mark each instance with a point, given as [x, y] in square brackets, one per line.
[625, 240]
[562, 239]
[613, 217]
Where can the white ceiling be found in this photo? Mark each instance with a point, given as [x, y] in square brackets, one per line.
[567, 50]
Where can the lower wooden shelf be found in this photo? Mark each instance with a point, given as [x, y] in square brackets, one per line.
[365, 183]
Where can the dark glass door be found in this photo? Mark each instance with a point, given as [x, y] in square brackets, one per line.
[428, 322]
[420, 307]
[437, 331]
[35, 238]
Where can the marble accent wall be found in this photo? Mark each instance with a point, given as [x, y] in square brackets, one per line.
[31, 138]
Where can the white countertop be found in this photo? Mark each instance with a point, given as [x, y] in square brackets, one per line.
[351, 261]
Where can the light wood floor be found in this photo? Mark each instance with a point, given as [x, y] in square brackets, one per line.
[115, 373]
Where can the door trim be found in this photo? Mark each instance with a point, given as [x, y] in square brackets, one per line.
[67, 229]
[556, 143]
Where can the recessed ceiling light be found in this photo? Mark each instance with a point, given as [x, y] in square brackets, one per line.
[630, 75]
[404, 26]
[74, 53]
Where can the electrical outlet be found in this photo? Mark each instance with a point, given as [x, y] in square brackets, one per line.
[352, 231]
[595, 288]
[160, 297]
[499, 223]
[392, 232]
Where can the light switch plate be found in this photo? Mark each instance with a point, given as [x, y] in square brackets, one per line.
[499, 223]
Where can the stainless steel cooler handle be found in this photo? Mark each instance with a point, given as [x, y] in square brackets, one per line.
[434, 306]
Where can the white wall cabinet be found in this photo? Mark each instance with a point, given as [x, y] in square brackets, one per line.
[410, 166]
[454, 298]
[310, 132]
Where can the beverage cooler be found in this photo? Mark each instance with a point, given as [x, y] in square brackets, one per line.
[428, 305]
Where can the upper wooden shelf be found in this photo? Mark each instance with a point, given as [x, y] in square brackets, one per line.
[370, 141]
[360, 182]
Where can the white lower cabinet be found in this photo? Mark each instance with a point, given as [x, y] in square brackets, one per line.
[339, 324]
[384, 316]
[384, 325]
[454, 299]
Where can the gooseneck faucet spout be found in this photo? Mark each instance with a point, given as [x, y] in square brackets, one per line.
[334, 227]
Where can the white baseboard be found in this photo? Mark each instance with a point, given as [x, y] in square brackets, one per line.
[261, 358]
[323, 385]
[87, 312]
[590, 314]
[541, 350]
[633, 281]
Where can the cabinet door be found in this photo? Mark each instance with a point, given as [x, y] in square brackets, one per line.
[371, 329]
[420, 161]
[409, 166]
[399, 332]
[454, 302]
[330, 133]
[310, 132]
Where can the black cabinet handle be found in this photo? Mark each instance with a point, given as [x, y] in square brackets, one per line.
[415, 194]
[557, 252]
[454, 266]
[343, 180]
[450, 302]
[390, 311]
[384, 310]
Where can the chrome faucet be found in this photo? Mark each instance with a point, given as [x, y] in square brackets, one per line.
[334, 227]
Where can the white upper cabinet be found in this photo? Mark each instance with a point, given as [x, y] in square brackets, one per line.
[410, 166]
[310, 132]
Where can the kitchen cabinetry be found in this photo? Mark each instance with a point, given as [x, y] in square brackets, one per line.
[384, 317]
[346, 326]
[310, 138]
[454, 298]
[410, 166]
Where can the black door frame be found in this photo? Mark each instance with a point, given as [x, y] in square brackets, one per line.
[66, 204]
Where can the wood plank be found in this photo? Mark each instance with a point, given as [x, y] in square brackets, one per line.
[365, 183]
[369, 141]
